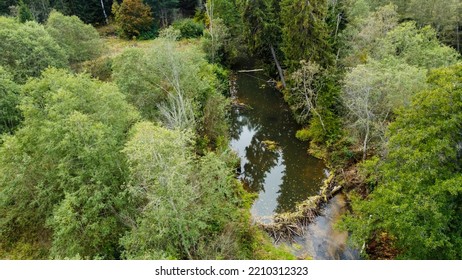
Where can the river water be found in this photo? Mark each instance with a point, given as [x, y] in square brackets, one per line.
[276, 165]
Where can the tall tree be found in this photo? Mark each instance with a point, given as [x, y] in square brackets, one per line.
[261, 18]
[373, 92]
[305, 33]
[24, 13]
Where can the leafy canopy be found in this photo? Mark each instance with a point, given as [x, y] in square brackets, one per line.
[80, 41]
[61, 173]
[27, 49]
[419, 194]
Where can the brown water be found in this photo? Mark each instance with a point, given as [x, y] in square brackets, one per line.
[322, 241]
[286, 175]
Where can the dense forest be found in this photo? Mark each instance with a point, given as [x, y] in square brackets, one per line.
[115, 123]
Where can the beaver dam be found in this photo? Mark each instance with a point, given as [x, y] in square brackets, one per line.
[276, 166]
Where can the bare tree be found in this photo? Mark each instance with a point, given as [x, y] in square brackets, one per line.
[305, 90]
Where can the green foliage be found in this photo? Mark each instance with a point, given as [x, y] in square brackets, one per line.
[303, 134]
[176, 89]
[80, 41]
[417, 47]
[27, 49]
[189, 28]
[305, 32]
[365, 30]
[62, 171]
[132, 18]
[184, 203]
[214, 40]
[373, 92]
[262, 27]
[313, 98]
[24, 13]
[100, 68]
[10, 116]
[233, 41]
[419, 195]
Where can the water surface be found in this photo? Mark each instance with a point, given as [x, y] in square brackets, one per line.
[284, 176]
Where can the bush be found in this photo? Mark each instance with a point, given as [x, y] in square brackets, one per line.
[27, 49]
[100, 68]
[132, 18]
[189, 28]
[79, 40]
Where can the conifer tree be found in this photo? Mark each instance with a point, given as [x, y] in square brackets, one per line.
[305, 32]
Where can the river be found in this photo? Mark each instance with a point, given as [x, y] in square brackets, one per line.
[276, 165]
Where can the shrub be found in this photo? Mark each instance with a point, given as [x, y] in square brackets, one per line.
[189, 28]
[79, 40]
[132, 18]
[27, 49]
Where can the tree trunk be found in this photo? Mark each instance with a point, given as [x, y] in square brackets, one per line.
[281, 74]
[366, 139]
[104, 12]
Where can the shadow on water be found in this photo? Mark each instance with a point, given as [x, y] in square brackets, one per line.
[285, 175]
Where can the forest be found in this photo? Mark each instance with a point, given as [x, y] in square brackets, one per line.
[116, 123]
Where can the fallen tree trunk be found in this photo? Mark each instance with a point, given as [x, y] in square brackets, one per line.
[250, 70]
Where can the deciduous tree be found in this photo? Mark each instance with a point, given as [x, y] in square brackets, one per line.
[80, 41]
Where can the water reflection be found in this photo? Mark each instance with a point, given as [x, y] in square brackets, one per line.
[283, 176]
[321, 240]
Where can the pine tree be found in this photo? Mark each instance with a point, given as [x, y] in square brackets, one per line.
[24, 13]
[304, 32]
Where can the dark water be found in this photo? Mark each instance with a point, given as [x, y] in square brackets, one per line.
[286, 175]
[283, 176]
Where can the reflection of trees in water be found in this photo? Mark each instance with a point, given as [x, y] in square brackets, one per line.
[237, 124]
[260, 162]
[271, 119]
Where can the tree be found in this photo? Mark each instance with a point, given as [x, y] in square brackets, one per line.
[215, 37]
[163, 10]
[132, 18]
[419, 193]
[263, 28]
[419, 47]
[62, 173]
[184, 203]
[364, 33]
[373, 92]
[5, 6]
[305, 32]
[24, 13]
[443, 16]
[304, 94]
[80, 41]
[27, 49]
[229, 23]
[90, 11]
[10, 116]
